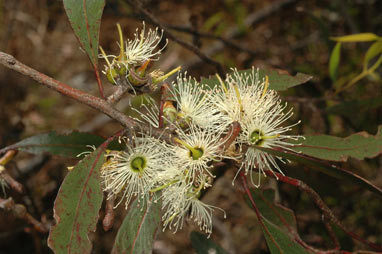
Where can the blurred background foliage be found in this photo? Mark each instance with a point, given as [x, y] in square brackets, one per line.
[294, 36]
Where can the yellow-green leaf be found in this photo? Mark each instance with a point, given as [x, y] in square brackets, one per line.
[356, 37]
[374, 50]
[334, 61]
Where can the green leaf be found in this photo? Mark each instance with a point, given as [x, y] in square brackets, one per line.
[284, 242]
[360, 146]
[356, 37]
[278, 80]
[67, 145]
[277, 220]
[324, 167]
[204, 245]
[77, 206]
[275, 213]
[85, 19]
[212, 21]
[138, 229]
[374, 50]
[334, 61]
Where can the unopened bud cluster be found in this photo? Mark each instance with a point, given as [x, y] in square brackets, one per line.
[178, 172]
[130, 67]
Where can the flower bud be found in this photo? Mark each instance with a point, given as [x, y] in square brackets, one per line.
[111, 75]
[169, 111]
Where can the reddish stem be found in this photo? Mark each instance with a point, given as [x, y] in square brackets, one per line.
[259, 217]
[19, 211]
[78, 95]
[99, 81]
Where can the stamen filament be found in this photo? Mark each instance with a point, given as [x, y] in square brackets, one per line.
[270, 137]
[163, 186]
[122, 51]
[222, 83]
[238, 97]
[104, 56]
[167, 75]
[265, 86]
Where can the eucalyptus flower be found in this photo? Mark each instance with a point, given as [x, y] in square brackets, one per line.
[244, 98]
[239, 97]
[181, 201]
[192, 103]
[133, 172]
[266, 130]
[134, 55]
[142, 47]
[195, 149]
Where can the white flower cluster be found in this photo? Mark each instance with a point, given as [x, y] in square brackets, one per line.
[178, 172]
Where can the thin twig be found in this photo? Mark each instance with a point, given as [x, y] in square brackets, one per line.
[11, 182]
[78, 95]
[251, 20]
[19, 211]
[117, 95]
[331, 233]
[227, 42]
[7, 157]
[186, 45]
[321, 205]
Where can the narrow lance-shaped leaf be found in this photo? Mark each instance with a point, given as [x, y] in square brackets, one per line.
[283, 240]
[374, 50]
[324, 167]
[334, 61]
[77, 207]
[138, 229]
[66, 145]
[356, 37]
[360, 146]
[85, 19]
